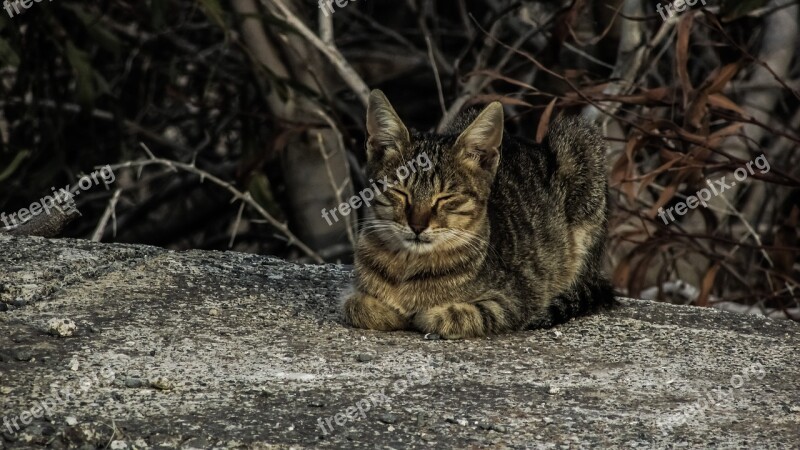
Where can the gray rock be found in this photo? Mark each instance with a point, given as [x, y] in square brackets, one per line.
[134, 383]
[365, 357]
[646, 375]
[23, 354]
[388, 418]
[456, 420]
[498, 428]
[61, 327]
[162, 383]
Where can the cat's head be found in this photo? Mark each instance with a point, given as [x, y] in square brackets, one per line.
[438, 185]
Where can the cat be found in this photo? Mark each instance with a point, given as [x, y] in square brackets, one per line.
[501, 235]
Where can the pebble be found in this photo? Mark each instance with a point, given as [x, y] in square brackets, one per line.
[133, 382]
[162, 383]
[213, 312]
[71, 420]
[61, 327]
[365, 357]
[498, 428]
[198, 442]
[23, 355]
[388, 418]
[118, 445]
[460, 421]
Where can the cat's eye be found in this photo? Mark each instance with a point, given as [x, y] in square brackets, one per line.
[441, 200]
[401, 194]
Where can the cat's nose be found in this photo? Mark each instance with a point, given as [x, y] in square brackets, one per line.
[418, 220]
[418, 228]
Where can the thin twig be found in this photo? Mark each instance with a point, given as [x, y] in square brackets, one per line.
[108, 213]
[238, 221]
[436, 74]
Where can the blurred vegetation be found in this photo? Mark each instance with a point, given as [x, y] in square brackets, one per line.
[268, 96]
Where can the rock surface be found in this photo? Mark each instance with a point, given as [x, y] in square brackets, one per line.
[225, 350]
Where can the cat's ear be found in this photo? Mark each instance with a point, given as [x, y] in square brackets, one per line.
[385, 130]
[479, 144]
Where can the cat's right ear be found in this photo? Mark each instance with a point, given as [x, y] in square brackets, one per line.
[479, 144]
[385, 131]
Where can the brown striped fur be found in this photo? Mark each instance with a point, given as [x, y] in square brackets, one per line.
[509, 234]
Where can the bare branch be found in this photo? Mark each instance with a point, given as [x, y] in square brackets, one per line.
[342, 66]
[108, 213]
[174, 165]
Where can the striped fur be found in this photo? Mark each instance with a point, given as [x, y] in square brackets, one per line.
[511, 233]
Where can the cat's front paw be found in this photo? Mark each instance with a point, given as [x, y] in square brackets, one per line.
[453, 321]
[364, 311]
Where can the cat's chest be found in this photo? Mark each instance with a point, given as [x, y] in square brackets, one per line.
[412, 290]
[412, 283]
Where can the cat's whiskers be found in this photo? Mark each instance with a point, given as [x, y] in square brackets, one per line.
[387, 230]
[474, 241]
[471, 244]
[374, 229]
[368, 223]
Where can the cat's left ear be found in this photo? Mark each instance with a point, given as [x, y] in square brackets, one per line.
[386, 133]
[479, 144]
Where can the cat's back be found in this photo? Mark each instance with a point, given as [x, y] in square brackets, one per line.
[572, 146]
[544, 193]
[566, 170]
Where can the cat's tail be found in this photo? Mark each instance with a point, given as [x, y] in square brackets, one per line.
[587, 296]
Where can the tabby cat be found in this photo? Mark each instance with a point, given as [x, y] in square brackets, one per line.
[502, 234]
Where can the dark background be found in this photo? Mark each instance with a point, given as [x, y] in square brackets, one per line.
[268, 97]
